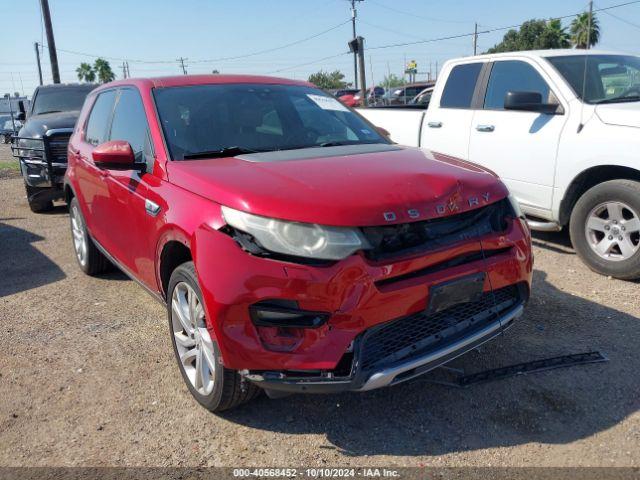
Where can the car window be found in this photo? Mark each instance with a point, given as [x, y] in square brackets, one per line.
[130, 122]
[96, 132]
[513, 76]
[458, 91]
[60, 99]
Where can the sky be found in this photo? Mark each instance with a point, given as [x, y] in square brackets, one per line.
[153, 34]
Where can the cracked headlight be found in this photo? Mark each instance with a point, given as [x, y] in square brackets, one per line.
[297, 239]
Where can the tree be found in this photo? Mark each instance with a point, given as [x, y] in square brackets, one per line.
[329, 80]
[580, 31]
[393, 81]
[86, 73]
[103, 70]
[534, 35]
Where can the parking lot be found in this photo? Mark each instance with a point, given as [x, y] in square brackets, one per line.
[88, 377]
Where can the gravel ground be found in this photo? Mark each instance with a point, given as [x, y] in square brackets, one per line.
[87, 377]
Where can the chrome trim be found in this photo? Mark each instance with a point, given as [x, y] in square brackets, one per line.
[543, 226]
[387, 376]
[55, 131]
[151, 208]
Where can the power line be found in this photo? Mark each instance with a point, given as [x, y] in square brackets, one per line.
[414, 15]
[623, 20]
[310, 63]
[498, 29]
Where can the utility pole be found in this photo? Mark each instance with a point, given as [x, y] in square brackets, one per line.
[363, 82]
[128, 71]
[475, 41]
[589, 25]
[354, 14]
[184, 68]
[124, 70]
[38, 62]
[51, 43]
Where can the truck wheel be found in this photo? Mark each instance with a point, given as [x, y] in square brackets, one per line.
[37, 206]
[605, 228]
[90, 259]
[215, 387]
[3, 138]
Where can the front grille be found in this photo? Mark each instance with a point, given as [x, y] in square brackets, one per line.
[58, 147]
[417, 334]
[390, 241]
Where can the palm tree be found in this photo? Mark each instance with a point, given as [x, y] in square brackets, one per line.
[103, 69]
[86, 73]
[555, 35]
[580, 34]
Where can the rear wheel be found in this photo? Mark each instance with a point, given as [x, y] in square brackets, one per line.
[605, 228]
[90, 259]
[215, 387]
[3, 138]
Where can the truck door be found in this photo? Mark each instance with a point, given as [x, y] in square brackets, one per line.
[448, 120]
[519, 146]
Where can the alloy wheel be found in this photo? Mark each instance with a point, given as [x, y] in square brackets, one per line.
[193, 341]
[613, 231]
[79, 235]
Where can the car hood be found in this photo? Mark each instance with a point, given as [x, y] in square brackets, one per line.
[343, 186]
[37, 125]
[623, 114]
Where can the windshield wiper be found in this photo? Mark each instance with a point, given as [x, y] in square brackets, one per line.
[223, 152]
[48, 111]
[633, 98]
[341, 144]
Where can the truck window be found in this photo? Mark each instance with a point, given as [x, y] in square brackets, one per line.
[513, 76]
[60, 99]
[99, 118]
[458, 91]
[130, 122]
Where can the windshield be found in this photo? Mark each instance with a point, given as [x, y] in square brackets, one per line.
[610, 78]
[247, 117]
[60, 99]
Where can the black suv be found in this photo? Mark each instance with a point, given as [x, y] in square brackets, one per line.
[41, 144]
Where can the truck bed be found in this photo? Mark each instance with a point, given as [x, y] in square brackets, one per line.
[404, 124]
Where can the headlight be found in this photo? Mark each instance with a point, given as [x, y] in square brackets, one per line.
[31, 147]
[515, 206]
[297, 239]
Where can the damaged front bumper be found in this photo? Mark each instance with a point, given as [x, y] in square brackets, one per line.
[370, 369]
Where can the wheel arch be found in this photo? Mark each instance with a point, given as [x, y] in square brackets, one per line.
[174, 252]
[589, 178]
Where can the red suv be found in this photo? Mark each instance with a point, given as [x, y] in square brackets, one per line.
[295, 247]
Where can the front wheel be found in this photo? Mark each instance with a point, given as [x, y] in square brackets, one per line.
[214, 386]
[605, 228]
[90, 259]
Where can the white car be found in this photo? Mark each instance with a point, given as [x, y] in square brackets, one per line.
[569, 150]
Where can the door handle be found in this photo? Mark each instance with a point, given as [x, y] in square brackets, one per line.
[151, 208]
[435, 124]
[485, 128]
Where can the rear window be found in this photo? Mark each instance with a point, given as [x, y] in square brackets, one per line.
[458, 91]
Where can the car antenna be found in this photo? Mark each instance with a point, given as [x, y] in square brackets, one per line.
[584, 78]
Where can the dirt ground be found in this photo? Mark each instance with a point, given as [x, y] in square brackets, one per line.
[87, 377]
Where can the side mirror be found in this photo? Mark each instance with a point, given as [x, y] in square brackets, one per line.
[21, 115]
[528, 102]
[114, 155]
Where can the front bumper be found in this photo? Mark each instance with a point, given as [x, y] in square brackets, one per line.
[392, 374]
[359, 294]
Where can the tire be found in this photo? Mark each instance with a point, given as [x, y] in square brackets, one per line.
[35, 205]
[90, 259]
[3, 138]
[605, 228]
[217, 388]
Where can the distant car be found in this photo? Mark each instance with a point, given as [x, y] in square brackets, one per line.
[7, 126]
[41, 144]
[403, 95]
[423, 98]
[374, 96]
[348, 96]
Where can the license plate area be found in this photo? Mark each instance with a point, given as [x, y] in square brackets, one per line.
[461, 290]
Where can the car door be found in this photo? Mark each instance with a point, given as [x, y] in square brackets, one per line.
[520, 146]
[447, 122]
[91, 179]
[132, 211]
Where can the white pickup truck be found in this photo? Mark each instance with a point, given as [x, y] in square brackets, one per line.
[568, 149]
